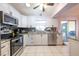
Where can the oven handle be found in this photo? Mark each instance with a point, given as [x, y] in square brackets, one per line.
[15, 39]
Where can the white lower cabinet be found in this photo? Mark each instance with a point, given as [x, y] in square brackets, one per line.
[25, 40]
[60, 40]
[29, 40]
[37, 39]
[44, 40]
[5, 48]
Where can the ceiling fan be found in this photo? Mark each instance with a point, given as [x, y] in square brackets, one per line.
[43, 8]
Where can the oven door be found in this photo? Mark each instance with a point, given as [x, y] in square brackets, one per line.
[16, 45]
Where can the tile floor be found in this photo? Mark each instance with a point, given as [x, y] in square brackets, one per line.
[46, 51]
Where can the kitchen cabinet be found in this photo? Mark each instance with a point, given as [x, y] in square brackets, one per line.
[5, 48]
[25, 39]
[60, 40]
[34, 38]
[41, 39]
[37, 39]
[22, 22]
[30, 40]
[31, 21]
[44, 40]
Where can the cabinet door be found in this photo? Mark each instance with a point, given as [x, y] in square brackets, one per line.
[25, 39]
[30, 41]
[37, 39]
[59, 40]
[44, 39]
[5, 49]
[24, 21]
[34, 39]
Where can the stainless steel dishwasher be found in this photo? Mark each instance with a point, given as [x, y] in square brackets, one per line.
[52, 36]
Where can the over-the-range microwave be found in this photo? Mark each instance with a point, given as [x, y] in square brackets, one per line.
[8, 19]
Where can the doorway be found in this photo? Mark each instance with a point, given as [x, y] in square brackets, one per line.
[68, 30]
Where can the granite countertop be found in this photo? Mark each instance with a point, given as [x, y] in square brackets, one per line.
[22, 33]
[38, 32]
[41, 32]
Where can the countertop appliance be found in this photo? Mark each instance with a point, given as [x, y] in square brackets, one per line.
[5, 32]
[48, 29]
[16, 45]
[26, 30]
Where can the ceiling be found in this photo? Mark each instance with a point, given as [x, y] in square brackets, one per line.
[72, 9]
[23, 9]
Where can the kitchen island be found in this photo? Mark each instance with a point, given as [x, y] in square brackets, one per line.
[41, 38]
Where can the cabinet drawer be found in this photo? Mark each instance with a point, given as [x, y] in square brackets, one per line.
[5, 46]
[5, 53]
[5, 49]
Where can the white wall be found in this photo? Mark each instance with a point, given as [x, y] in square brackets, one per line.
[52, 21]
[32, 21]
[23, 21]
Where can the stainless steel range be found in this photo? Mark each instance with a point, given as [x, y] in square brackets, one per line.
[8, 27]
[17, 45]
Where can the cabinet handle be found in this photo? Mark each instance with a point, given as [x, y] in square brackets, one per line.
[2, 47]
[4, 55]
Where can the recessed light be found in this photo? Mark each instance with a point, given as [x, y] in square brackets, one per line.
[28, 4]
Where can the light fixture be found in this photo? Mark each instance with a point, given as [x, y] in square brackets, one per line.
[28, 4]
[45, 6]
[41, 6]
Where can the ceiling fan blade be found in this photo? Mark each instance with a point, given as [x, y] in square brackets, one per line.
[36, 6]
[50, 4]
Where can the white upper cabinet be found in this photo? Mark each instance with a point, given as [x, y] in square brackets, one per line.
[24, 21]
[30, 21]
[20, 22]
